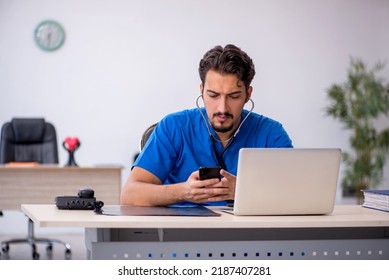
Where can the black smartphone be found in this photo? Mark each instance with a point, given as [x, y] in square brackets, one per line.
[209, 172]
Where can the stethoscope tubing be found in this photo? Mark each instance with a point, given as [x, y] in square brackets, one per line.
[219, 157]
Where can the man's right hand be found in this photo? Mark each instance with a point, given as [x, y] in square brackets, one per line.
[199, 191]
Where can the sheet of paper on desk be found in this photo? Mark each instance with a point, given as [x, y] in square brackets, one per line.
[125, 210]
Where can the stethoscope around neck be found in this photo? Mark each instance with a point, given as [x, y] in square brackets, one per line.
[213, 138]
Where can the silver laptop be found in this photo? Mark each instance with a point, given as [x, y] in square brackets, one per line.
[286, 181]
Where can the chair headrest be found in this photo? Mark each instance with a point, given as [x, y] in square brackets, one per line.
[28, 130]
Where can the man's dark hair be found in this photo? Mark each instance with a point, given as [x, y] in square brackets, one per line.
[228, 60]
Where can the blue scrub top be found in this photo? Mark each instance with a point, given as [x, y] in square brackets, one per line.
[180, 144]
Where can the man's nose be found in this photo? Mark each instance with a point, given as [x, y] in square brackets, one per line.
[223, 104]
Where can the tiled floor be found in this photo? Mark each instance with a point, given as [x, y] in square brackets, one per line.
[23, 251]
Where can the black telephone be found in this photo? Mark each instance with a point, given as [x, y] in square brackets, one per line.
[84, 200]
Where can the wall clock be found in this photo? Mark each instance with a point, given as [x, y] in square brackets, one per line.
[49, 35]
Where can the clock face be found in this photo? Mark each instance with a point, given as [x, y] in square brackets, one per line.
[49, 35]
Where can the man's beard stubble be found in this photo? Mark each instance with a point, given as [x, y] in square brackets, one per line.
[222, 129]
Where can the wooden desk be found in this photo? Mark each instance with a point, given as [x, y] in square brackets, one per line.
[350, 232]
[41, 184]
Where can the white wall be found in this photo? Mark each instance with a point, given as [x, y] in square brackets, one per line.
[125, 64]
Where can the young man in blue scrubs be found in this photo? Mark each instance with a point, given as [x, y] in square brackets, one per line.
[166, 171]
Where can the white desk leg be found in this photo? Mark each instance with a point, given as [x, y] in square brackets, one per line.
[95, 235]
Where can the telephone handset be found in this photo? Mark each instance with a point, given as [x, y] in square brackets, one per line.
[84, 200]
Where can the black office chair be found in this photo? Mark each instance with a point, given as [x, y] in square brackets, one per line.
[30, 140]
[146, 135]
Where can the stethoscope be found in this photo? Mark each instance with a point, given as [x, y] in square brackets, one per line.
[218, 156]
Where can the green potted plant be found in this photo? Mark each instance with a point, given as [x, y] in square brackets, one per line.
[357, 104]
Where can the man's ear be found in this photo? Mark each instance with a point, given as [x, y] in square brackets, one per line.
[201, 88]
[248, 93]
